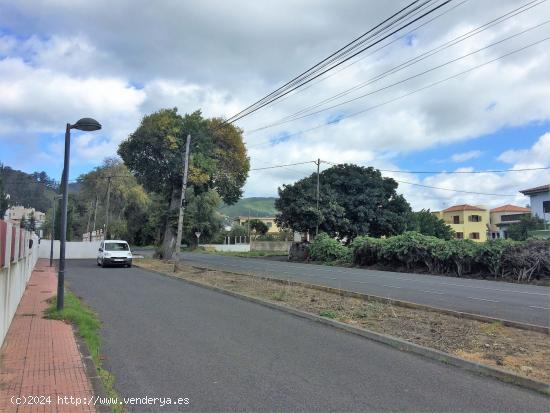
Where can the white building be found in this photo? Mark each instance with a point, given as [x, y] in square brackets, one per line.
[17, 212]
[540, 201]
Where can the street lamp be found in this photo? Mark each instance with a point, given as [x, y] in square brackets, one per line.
[88, 125]
[52, 236]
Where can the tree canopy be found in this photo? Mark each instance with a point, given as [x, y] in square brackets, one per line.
[258, 227]
[354, 200]
[520, 230]
[427, 223]
[154, 153]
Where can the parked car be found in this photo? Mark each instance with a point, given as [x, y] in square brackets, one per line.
[114, 252]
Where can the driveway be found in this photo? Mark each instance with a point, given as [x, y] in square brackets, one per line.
[163, 337]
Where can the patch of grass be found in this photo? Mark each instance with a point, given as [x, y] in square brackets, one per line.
[492, 328]
[87, 324]
[279, 295]
[328, 314]
[360, 313]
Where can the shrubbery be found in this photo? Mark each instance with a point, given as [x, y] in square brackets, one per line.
[328, 249]
[521, 261]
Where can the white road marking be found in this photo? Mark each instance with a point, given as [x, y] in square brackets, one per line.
[432, 292]
[482, 299]
[540, 308]
[390, 286]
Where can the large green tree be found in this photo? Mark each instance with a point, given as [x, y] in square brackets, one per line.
[154, 153]
[202, 215]
[428, 224]
[520, 230]
[128, 202]
[354, 200]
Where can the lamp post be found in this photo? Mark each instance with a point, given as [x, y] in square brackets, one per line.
[88, 125]
[55, 198]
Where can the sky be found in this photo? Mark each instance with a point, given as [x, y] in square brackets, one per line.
[61, 60]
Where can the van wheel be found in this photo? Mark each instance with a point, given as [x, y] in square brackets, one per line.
[98, 264]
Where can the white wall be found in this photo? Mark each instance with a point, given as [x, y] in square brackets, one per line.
[13, 281]
[73, 249]
[227, 247]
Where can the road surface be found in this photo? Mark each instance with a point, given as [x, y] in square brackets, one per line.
[163, 337]
[517, 302]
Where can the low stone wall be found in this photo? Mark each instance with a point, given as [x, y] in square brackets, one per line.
[226, 247]
[282, 246]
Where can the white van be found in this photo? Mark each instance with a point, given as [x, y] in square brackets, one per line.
[114, 252]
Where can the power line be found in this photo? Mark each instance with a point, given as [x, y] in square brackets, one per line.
[469, 172]
[303, 112]
[400, 37]
[456, 172]
[314, 67]
[452, 190]
[428, 86]
[276, 95]
[281, 166]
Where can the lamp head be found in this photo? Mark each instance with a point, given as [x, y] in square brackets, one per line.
[87, 124]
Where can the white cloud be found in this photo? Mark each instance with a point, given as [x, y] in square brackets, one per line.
[221, 56]
[538, 154]
[465, 156]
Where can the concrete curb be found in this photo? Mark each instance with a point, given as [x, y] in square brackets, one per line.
[401, 303]
[91, 372]
[394, 342]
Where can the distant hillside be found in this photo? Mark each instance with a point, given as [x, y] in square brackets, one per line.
[256, 206]
[30, 190]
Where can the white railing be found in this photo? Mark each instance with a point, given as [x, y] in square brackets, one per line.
[17, 261]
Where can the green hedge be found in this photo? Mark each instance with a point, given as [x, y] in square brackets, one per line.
[520, 261]
[328, 249]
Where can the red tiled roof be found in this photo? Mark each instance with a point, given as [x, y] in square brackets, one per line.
[510, 208]
[537, 189]
[463, 207]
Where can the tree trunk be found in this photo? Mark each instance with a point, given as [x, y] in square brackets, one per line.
[169, 239]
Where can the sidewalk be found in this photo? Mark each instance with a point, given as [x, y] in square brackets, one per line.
[40, 357]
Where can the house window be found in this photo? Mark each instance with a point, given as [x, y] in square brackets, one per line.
[456, 219]
[459, 235]
[474, 218]
[546, 207]
[512, 217]
[474, 235]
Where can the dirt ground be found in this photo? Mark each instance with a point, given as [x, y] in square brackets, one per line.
[520, 351]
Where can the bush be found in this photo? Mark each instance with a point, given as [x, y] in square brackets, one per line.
[520, 261]
[489, 256]
[327, 249]
[527, 260]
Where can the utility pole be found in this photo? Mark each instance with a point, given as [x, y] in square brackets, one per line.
[182, 199]
[95, 214]
[105, 235]
[249, 239]
[318, 166]
[55, 198]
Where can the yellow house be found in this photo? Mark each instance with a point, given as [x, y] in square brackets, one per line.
[269, 221]
[468, 221]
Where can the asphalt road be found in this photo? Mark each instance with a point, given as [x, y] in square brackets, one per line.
[517, 302]
[163, 337]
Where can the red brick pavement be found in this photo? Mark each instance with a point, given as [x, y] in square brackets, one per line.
[40, 357]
